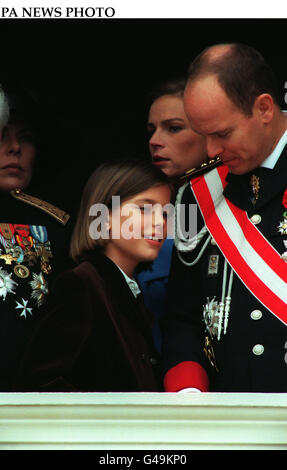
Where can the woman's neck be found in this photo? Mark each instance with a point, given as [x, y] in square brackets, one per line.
[127, 265]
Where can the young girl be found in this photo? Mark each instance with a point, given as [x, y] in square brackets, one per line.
[96, 335]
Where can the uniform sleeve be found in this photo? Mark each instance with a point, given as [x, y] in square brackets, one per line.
[185, 364]
[58, 339]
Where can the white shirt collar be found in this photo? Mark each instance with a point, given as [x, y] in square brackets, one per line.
[133, 285]
[272, 159]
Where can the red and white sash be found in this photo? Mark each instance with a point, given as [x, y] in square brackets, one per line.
[251, 256]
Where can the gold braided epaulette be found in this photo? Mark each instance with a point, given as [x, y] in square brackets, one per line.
[55, 212]
[204, 167]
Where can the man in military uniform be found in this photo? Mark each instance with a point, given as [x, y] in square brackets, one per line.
[34, 240]
[226, 328]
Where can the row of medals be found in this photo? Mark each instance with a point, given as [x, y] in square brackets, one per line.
[13, 253]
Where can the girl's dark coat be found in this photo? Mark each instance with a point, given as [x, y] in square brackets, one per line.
[95, 337]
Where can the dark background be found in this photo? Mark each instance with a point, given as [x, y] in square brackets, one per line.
[93, 76]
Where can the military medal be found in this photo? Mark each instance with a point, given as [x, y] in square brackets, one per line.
[23, 236]
[209, 352]
[7, 240]
[211, 317]
[30, 256]
[40, 288]
[14, 252]
[21, 271]
[7, 231]
[213, 263]
[282, 227]
[24, 307]
[255, 186]
[42, 246]
[45, 254]
[7, 285]
[216, 314]
[8, 258]
[25, 241]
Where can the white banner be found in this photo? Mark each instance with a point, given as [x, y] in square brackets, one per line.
[79, 9]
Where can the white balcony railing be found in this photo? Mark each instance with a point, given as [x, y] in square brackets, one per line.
[142, 421]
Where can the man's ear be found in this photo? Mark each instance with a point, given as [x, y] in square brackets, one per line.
[264, 107]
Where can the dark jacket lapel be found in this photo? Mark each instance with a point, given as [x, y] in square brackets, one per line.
[272, 182]
[119, 294]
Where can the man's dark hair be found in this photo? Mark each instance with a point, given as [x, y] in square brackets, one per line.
[241, 71]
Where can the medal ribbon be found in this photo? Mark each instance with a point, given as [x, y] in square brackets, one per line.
[250, 254]
[5, 243]
[7, 237]
[23, 233]
[7, 231]
[39, 232]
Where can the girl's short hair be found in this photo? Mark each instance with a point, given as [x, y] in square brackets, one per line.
[124, 178]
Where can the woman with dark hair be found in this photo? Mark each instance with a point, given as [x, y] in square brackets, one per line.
[96, 334]
[175, 148]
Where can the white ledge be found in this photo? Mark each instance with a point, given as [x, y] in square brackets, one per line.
[143, 421]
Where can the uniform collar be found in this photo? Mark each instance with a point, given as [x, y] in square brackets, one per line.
[272, 159]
